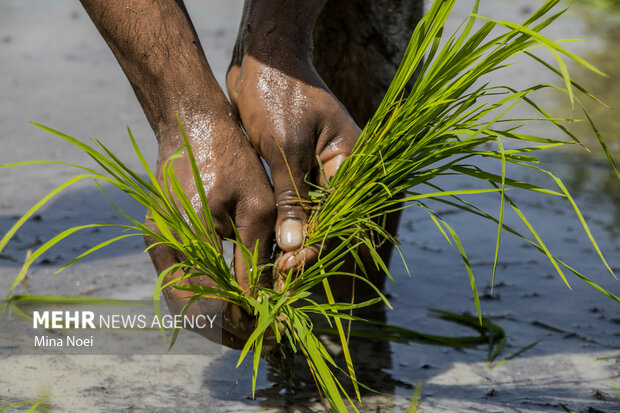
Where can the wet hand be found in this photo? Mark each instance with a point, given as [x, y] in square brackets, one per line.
[237, 188]
[291, 118]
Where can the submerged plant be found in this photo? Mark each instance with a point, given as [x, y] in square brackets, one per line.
[436, 128]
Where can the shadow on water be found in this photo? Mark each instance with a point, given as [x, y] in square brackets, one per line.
[73, 207]
[292, 387]
[287, 385]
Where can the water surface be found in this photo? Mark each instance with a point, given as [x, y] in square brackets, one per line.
[57, 71]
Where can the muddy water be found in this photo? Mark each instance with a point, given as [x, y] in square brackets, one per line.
[57, 71]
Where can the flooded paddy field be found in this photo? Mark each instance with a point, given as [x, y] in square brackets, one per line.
[58, 71]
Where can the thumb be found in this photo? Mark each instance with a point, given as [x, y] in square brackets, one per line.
[291, 192]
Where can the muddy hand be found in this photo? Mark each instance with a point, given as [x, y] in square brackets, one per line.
[157, 47]
[288, 112]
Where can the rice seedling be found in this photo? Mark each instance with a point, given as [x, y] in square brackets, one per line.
[40, 404]
[35, 405]
[415, 399]
[512, 356]
[488, 333]
[613, 386]
[439, 127]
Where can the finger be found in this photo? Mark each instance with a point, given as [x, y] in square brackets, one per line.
[337, 147]
[235, 325]
[291, 192]
[164, 257]
[298, 260]
[330, 166]
[332, 154]
[254, 217]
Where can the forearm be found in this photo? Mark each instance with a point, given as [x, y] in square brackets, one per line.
[271, 29]
[159, 51]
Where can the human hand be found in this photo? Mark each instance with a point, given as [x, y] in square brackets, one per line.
[237, 189]
[291, 118]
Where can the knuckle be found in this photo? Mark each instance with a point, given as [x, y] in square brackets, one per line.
[289, 198]
[341, 141]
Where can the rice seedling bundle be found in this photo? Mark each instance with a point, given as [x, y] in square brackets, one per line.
[438, 127]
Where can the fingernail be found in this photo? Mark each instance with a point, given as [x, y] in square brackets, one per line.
[290, 235]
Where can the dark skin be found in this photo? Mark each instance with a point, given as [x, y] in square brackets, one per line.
[286, 109]
[159, 51]
[288, 112]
